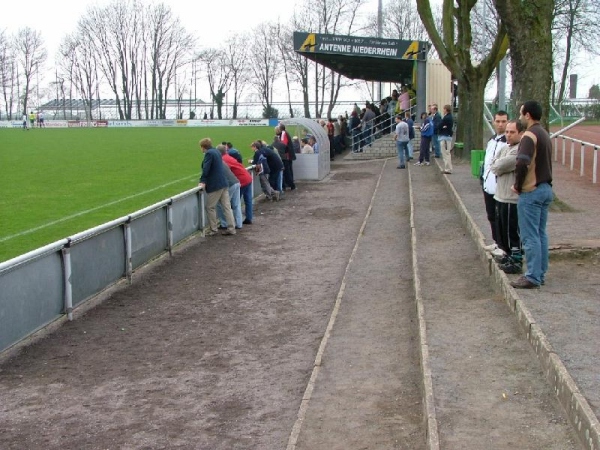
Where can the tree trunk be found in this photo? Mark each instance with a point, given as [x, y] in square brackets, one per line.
[528, 25]
[470, 114]
[567, 62]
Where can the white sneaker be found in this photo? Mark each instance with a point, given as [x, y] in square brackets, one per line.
[418, 164]
[497, 252]
[491, 247]
[426, 163]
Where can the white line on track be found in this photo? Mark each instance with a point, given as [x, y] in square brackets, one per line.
[87, 211]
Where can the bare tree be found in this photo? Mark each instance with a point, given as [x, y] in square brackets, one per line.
[236, 55]
[454, 46]
[77, 62]
[298, 66]
[168, 48]
[285, 47]
[30, 54]
[265, 64]
[218, 73]
[401, 21]
[574, 26]
[8, 73]
[332, 17]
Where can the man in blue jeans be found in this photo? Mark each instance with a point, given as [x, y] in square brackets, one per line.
[436, 118]
[401, 137]
[533, 183]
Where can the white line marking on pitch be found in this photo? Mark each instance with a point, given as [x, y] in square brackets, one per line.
[87, 211]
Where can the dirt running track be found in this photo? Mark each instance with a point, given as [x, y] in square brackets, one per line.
[211, 349]
[586, 133]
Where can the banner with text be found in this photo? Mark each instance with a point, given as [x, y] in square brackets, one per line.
[359, 46]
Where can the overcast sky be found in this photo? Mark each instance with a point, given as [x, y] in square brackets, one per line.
[210, 21]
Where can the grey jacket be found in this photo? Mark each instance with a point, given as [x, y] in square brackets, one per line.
[504, 169]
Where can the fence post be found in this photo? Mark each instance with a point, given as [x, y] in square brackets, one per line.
[170, 227]
[595, 168]
[581, 162]
[564, 152]
[128, 251]
[68, 286]
[572, 154]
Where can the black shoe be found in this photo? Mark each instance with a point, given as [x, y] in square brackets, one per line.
[502, 259]
[247, 222]
[524, 283]
[512, 267]
[221, 227]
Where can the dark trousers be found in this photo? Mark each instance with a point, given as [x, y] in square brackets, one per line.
[490, 209]
[288, 174]
[424, 149]
[508, 229]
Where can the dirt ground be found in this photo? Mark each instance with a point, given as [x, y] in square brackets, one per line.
[586, 133]
[211, 349]
[214, 347]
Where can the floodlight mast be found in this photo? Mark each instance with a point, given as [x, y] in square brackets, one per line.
[379, 35]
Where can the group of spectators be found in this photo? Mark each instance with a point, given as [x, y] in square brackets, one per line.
[226, 181]
[516, 178]
[436, 134]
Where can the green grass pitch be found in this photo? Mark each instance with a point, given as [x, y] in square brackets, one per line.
[58, 182]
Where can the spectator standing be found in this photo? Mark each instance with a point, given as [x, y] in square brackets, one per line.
[233, 152]
[355, 131]
[262, 170]
[214, 183]
[533, 183]
[275, 166]
[411, 133]
[25, 121]
[368, 122]
[488, 181]
[296, 144]
[426, 133]
[403, 101]
[288, 157]
[437, 121]
[234, 196]
[337, 135]
[330, 128]
[507, 224]
[245, 180]
[391, 110]
[312, 141]
[401, 137]
[32, 117]
[445, 138]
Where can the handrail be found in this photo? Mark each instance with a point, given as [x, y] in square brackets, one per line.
[568, 127]
[583, 144]
[376, 132]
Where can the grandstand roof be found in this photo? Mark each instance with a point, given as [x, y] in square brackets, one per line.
[364, 58]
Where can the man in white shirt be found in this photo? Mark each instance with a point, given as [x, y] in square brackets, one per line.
[489, 178]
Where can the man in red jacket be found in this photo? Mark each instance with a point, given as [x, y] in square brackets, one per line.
[245, 182]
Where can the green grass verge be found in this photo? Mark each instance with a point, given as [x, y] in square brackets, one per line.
[95, 175]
